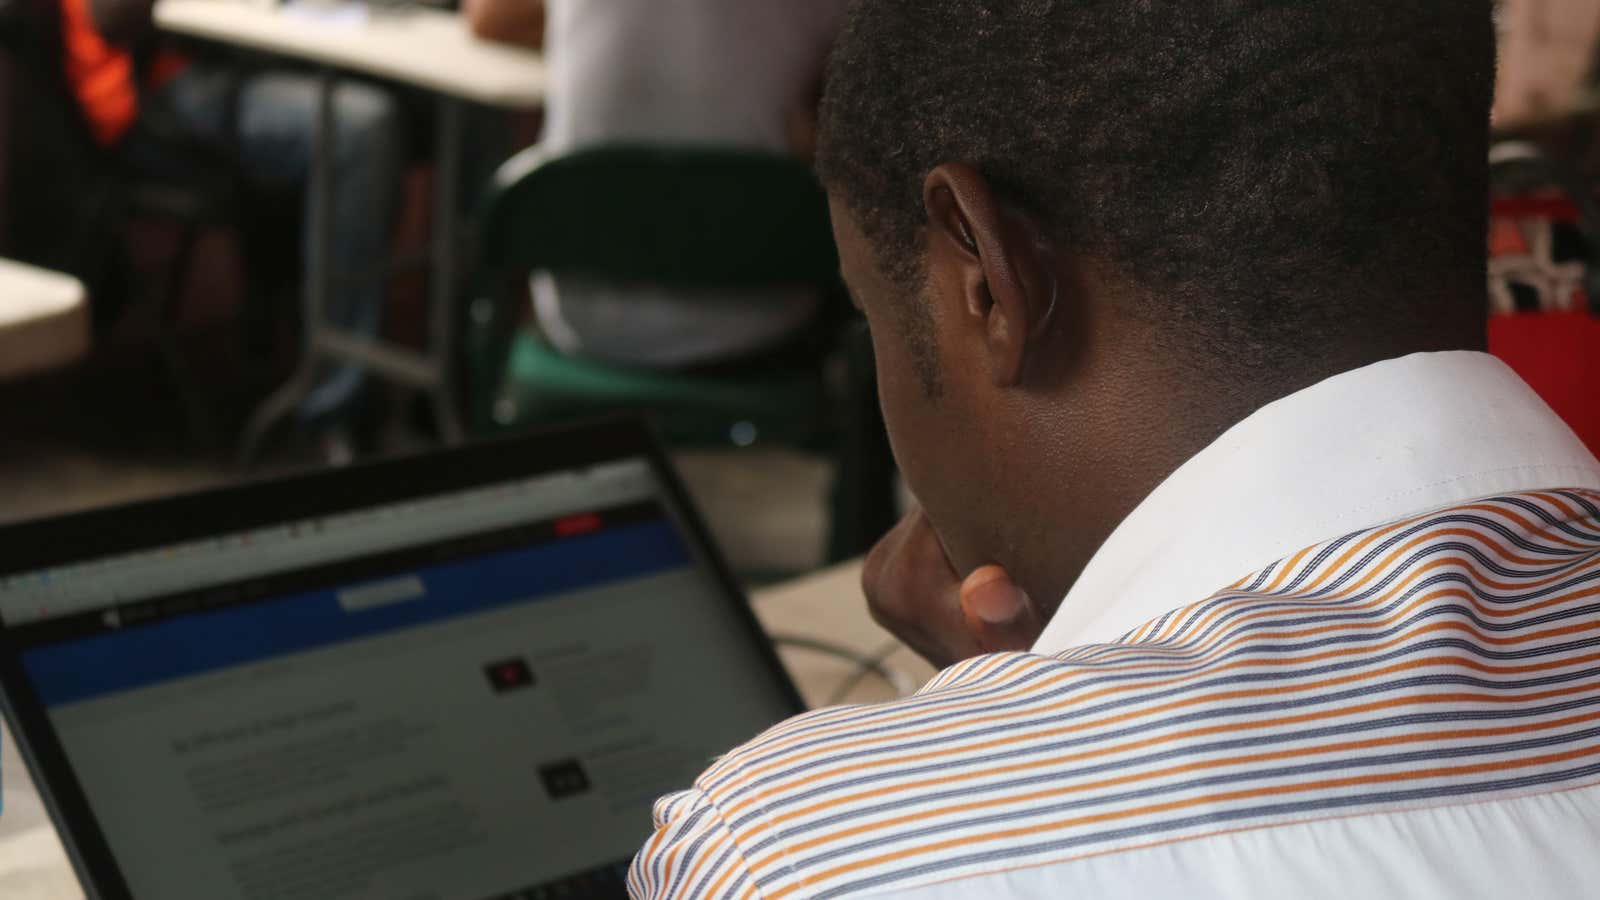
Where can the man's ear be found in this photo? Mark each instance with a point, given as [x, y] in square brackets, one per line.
[1006, 270]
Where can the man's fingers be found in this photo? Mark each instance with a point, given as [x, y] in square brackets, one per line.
[999, 614]
[914, 592]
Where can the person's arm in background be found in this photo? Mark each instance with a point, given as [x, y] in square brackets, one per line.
[507, 21]
[1547, 51]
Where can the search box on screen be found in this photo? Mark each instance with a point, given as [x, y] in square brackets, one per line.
[381, 593]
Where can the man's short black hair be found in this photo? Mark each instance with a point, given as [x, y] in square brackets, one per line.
[1266, 170]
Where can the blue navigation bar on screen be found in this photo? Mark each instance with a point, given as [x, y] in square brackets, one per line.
[112, 662]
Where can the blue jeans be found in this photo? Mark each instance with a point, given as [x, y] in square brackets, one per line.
[276, 129]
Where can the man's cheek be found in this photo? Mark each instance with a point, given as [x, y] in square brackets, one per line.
[892, 399]
[904, 416]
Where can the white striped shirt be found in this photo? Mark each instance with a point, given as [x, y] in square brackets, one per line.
[1404, 710]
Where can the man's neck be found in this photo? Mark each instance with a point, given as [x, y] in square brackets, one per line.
[1172, 407]
[1378, 444]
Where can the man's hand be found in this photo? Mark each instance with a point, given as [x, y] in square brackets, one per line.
[518, 22]
[914, 592]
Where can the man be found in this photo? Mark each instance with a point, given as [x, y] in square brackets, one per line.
[1177, 308]
[136, 111]
[712, 73]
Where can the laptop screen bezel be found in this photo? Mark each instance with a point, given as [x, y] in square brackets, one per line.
[30, 546]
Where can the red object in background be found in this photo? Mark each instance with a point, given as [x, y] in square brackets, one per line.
[583, 523]
[1506, 238]
[1558, 354]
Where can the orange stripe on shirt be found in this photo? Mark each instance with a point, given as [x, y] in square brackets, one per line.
[1149, 743]
[742, 805]
[895, 737]
[1182, 769]
[1190, 803]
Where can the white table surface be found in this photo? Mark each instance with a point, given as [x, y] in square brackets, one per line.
[426, 48]
[44, 319]
[827, 606]
[33, 864]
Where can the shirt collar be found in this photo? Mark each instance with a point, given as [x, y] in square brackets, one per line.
[1362, 448]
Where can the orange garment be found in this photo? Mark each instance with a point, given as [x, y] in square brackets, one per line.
[102, 76]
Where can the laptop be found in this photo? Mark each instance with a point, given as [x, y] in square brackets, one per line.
[461, 676]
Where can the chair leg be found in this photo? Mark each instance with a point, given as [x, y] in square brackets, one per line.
[863, 488]
[169, 307]
[270, 257]
[485, 345]
[260, 311]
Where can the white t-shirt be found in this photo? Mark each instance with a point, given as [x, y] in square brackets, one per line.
[720, 73]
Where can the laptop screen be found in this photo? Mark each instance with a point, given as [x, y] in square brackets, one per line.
[471, 695]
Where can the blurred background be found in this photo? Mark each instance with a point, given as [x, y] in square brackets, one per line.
[241, 237]
[238, 238]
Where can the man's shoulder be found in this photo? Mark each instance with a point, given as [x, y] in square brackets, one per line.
[1440, 660]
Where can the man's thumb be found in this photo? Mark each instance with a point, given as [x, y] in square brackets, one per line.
[999, 614]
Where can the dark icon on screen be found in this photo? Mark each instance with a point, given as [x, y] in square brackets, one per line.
[563, 779]
[509, 675]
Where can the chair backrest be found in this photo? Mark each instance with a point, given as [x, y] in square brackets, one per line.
[663, 215]
[58, 172]
[11, 34]
[66, 196]
[34, 29]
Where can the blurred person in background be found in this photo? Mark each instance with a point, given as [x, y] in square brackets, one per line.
[1547, 53]
[715, 73]
[142, 102]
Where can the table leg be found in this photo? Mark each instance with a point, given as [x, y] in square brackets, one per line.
[285, 400]
[447, 178]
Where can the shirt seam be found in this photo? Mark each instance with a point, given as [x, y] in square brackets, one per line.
[761, 810]
[1328, 529]
[1542, 467]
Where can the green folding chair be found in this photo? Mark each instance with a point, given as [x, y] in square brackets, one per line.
[682, 217]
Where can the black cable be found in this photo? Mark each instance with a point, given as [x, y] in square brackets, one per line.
[866, 664]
